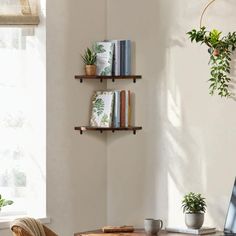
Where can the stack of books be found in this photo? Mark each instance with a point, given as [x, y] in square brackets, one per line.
[201, 231]
[111, 109]
[113, 57]
[122, 57]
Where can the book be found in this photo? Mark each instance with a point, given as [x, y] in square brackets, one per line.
[122, 108]
[104, 60]
[102, 109]
[116, 58]
[201, 231]
[127, 108]
[125, 57]
[116, 112]
[129, 111]
[127, 60]
[122, 57]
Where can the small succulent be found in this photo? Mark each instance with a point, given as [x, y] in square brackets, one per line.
[193, 203]
[4, 202]
[89, 57]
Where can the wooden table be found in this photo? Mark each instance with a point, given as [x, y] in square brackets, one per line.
[137, 232]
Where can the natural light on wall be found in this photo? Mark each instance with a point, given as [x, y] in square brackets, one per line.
[23, 121]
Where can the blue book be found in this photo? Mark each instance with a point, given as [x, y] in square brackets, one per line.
[127, 57]
[116, 58]
[116, 116]
[122, 57]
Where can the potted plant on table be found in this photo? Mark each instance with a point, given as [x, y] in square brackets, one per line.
[194, 207]
[89, 59]
[4, 202]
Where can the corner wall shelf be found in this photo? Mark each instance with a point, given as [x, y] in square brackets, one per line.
[113, 129]
[112, 77]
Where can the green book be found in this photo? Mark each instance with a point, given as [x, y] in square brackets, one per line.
[102, 109]
[104, 61]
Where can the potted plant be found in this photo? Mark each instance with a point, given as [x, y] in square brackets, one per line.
[220, 49]
[89, 59]
[4, 202]
[194, 207]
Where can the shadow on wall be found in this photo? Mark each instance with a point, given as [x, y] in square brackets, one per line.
[177, 159]
[168, 159]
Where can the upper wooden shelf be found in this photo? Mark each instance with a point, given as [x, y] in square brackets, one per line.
[112, 77]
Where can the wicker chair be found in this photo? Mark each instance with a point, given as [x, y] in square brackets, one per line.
[18, 231]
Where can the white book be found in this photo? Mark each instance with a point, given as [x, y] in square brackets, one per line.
[126, 108]
[104, 60]
[102, 109]
[201, 231]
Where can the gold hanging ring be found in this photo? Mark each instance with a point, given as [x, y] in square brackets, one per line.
[204, 10]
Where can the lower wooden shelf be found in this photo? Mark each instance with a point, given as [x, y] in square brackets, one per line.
[113, 129]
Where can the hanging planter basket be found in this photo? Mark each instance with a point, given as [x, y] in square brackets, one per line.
[220, 49]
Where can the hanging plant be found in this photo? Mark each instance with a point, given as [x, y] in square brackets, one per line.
[220, 49]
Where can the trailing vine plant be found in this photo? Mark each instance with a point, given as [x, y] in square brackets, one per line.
[220, 49]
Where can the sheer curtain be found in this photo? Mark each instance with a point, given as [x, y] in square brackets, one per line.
[22, 123]
[19, 12]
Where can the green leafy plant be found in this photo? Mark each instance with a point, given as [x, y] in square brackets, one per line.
[220, 50]
[89, 57]
[4, 202]
[98, 48]
[99, 106]
[104, 119]
[193, 203]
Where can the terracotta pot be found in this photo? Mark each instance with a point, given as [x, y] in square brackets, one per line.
[90, 69]
[194, 221]
[216, 52]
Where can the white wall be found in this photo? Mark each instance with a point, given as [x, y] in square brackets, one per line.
[76, 164]
[187, 143]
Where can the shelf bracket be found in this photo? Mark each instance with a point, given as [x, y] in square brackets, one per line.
[101, 131]
[81, 80]
[81, 132]
[113, 80]
[134, 80]
[134, 131]
[113, 131]
[101, 80]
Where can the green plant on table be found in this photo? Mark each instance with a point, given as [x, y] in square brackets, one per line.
[89, 57]
[220, 49]
[193, 203]
[4, 202]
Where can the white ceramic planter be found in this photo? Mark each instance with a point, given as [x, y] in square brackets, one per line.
[194, 221]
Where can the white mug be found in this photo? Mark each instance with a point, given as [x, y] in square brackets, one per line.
[152, 226]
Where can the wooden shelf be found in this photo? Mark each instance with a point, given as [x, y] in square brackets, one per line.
[112, 77]
[113, 129]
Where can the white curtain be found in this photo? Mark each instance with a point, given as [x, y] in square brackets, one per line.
[19, 12]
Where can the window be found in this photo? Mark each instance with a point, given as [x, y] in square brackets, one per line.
[22, 121]
[19, 12]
